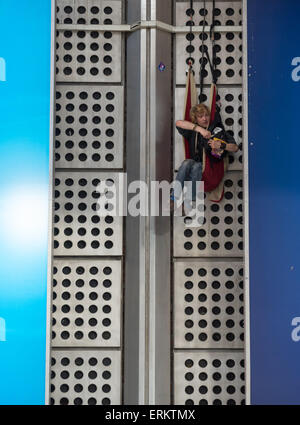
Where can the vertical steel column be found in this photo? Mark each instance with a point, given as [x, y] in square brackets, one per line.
[246, 199]
[50, 197]
[148, 158]
[134, 344]
[160, 169]
[88, 250]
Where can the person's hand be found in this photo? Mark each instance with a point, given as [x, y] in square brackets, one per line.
[214, 144]
[205, 133]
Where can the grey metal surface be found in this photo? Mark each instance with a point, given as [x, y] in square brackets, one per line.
[148, 238]
[89, 11]
[88, 247]
[228, 74]
[133, 282]
[89, 131]
[209, 377]
[223, 12]
[246, 208]
[208, 304]
[89, 56]
[85, 377]
[231, 102]
[86, 303]
[78, 229]
[148, 155]
[228, 45]
[208, 261]
[75, 56]
[222, 233]
[50, 209]
[160, 227]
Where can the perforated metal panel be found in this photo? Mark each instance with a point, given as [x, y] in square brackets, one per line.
[207, 288]
[230, 99]
[79, 230]
[208, 304]
[89, 12]
[228, 46]
[85, 55]
[209, 377]
[89, 131]
[208, 260]
[226, 12]
[221, 235]
[85, 377]
[88, 246]
[86, 303]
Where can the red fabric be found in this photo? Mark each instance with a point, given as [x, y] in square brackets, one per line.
[187, 115]
[213, 104]
[212, 176]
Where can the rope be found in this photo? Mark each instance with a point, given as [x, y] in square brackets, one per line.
[213, 62]
[202, 67]
[212, 37]
[191, 24]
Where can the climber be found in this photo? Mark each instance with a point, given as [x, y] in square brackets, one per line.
[201, 135]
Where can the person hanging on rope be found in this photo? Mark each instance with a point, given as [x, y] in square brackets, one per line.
[206, 142]
[201, 135]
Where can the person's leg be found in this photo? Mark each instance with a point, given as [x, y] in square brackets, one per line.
[196, 176]
[183, 175]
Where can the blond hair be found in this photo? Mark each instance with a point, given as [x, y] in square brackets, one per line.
[198, 110]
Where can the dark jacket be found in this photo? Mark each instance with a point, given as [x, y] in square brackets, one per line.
[202, 143]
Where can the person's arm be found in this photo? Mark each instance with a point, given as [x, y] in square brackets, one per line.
[230, 147]
[187, 125]
[231, 143]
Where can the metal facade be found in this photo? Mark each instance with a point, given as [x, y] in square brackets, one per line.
[87, 134]
[179, 289]
[208, 261]
[87, 289]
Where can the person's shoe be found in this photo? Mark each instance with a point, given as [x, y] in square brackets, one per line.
[188, 208]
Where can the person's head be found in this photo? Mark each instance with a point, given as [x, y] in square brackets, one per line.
[200, 115]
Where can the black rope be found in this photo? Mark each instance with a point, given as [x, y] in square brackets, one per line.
[212, 37]
[191, 24]
[203, 50]
[212, 26]
[202, 67]
[211, 61]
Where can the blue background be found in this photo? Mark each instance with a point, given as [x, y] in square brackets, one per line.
[274, 200]
[25, 35]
